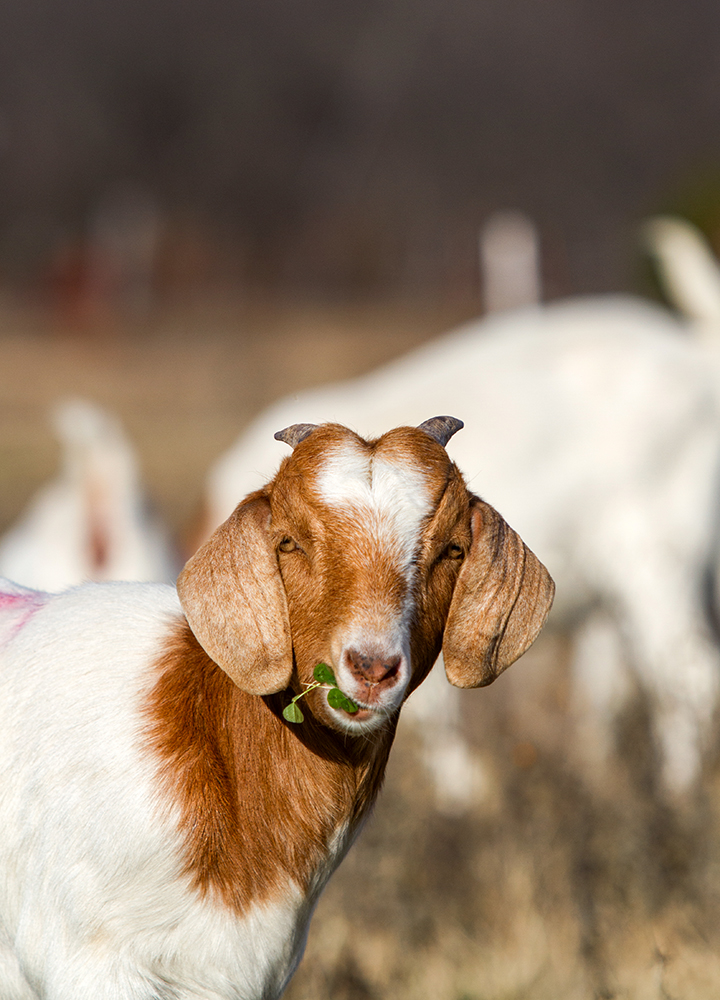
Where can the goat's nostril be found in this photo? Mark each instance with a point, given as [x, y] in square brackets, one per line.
[373, 669]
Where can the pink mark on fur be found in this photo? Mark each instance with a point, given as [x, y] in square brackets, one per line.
[18, 609]
[18, 600]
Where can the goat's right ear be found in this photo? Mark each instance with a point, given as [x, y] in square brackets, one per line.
[233, 597]
[501, 600]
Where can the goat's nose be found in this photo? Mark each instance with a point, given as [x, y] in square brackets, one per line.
[373, 669]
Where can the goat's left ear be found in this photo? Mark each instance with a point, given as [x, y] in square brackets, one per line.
[233, 597]
[501, 600]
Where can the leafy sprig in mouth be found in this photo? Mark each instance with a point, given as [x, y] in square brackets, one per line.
[336, 699]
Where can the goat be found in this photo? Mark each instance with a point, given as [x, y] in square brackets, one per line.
[91, 522]
[165, 831]
[596, 430]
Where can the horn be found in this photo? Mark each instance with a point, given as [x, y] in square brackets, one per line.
[440, 428]
[294, 434]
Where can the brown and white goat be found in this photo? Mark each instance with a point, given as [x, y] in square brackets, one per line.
[165, 831]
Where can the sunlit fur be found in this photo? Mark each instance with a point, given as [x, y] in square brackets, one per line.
[165, 833]
[593, 424]
[356, 505]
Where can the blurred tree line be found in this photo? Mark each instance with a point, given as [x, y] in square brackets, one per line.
[355, 148]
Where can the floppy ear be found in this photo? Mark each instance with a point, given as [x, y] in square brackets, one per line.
[501, 600]
[233, 597]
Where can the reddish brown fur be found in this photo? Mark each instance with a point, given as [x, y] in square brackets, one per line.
[259, 800]
[338, 569]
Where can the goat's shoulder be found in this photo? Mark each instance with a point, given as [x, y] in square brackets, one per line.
[265, 811]
[74, 665]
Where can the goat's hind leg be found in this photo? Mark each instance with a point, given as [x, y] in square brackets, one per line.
[677, 662]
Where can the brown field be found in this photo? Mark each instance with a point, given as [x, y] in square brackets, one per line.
[184, 383]
[561, 882]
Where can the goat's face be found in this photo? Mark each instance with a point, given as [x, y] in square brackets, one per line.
[362, 555]
[367, 565]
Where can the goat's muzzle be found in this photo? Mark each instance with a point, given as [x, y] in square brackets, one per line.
[373, 672]
[374, 677]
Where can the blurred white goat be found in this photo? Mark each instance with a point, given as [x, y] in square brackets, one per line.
[594, 424]
[91, 522]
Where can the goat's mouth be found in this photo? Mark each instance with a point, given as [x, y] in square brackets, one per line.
[349, 720]
[367, 718]
[353, 703]
[361, 714]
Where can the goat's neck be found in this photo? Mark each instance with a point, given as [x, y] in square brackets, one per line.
[263, 806]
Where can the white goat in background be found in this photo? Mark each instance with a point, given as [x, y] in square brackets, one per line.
[594, 424]
[91, 522]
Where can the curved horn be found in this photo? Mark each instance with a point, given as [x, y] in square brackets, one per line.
[440, 428]
[294, 434]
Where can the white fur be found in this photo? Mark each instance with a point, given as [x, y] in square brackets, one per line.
[594, 425]
[93, 904]
[96, 902]
[389, 499]
[688, 271]
[509, 262]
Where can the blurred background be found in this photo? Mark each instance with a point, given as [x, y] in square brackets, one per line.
[310, 168]
[207, 206]
[339, 150]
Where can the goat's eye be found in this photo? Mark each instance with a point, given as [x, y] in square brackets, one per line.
[287, 544]
[454, 551]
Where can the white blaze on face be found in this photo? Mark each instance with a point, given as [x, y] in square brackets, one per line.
[389, 499]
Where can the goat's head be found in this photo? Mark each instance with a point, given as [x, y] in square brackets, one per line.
[369, 556]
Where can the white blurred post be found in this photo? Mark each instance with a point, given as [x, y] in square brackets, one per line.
[509, 262]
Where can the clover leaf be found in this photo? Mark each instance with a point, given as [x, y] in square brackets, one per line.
[324, 674]
[292, 712]
[336, 699]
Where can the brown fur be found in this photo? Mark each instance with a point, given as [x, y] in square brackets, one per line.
[233, 597]
[338, 570]
[501, 601]
[259, 799]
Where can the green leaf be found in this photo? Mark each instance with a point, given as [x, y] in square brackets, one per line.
[292, 713]
[324, 674]
[336, 699]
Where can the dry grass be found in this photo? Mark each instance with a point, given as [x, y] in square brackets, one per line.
[557, 885]
[560, 883]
